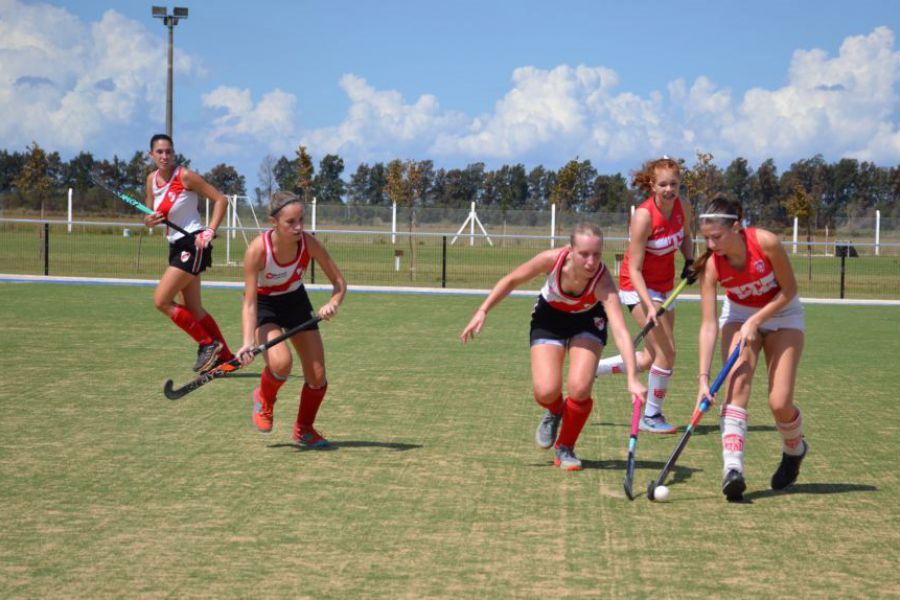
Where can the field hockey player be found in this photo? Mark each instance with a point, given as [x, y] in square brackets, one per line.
[659, 228]
[275, 299]
[172, 192]
[761, 310]
[576, 305]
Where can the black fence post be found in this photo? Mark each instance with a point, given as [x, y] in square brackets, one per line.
[444, 262]
[843, 270]
[46, 249]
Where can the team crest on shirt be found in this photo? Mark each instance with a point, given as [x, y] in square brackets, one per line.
[599, 323]
[185, 256]
[759, 265]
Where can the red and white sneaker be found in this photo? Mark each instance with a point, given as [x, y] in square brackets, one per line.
[309, 437]
[262, 412]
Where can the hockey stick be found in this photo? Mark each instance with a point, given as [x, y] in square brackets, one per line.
[660, 311]
[99, 182]
[175, 394]
[632, 444]
[695, 418]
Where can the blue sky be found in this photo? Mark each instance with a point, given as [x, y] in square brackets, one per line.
[458, 82]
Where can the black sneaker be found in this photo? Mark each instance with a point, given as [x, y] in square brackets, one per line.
[545, 436]
[733, 486]
[789, 469]
[207, 356]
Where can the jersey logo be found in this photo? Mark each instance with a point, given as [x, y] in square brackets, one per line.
[275, 275]
[599, 323]
[759, 265]
[185, 256]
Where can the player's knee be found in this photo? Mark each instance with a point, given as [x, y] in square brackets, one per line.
[579, 392]
[782, 406]
[546, 397]
[164, 306]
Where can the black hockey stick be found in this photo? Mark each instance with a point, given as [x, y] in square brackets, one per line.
[99, 182]
[175, 394]
[695, 418]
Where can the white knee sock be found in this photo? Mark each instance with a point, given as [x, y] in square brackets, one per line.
[611, 366]
[792, 435]
[733, 424]
[657, 384]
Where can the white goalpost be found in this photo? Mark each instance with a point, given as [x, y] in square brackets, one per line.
[471, 221]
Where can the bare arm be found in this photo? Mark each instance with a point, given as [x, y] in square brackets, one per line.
[709, 326]
[194, 182]
[157, 217]
[253, 264]
[540, 264]
[339, 285]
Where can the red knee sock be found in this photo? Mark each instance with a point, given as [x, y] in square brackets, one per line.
[269, 384]
[212, 328]
[575, 415]
[310, 400]
[556, 407]
[184, 319]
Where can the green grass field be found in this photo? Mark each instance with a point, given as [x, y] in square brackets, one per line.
[368, 259]
[435, 489]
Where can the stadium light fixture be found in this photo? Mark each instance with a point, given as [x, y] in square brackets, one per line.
[170, 21]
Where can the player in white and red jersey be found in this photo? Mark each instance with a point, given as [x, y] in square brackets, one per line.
[576, 304]
[172, 192]
[660, 227]
[274, 300]
[762, 311]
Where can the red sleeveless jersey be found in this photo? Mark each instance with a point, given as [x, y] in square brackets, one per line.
[277, 278]
[755, 284]
[553, 293]
[665, 239]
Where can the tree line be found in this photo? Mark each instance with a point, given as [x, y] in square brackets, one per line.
[820, 193]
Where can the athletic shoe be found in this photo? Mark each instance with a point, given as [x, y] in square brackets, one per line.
[656, 424]
[566, 460]
[262, 412]
[789, 469]
[545, 436]
[207, 356]
[309, 437]
[733, 485]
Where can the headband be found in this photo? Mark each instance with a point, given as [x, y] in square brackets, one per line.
[718, 216]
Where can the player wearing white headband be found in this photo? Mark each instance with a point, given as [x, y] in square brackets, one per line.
[763, 311]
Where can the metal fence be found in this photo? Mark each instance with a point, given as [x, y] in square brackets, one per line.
[423, 258]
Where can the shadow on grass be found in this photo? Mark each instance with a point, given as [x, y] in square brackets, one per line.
[337, 445]
[699, 430]
[678, 474]
[811, 488]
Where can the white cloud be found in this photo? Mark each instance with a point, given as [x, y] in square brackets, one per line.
[380, 125]
[269, 123]
[65, 83]
[838, 106]
[841, 106]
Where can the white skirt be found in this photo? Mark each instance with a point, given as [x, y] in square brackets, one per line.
[789, 317]
[631, 297]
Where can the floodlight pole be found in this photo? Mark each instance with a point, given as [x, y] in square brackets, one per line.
[170, 21]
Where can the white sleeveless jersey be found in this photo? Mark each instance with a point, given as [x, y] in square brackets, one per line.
[553, 293]
[177, 204]
[277, 278]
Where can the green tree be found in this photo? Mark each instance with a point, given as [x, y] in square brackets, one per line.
[703, 181]
[227, 180]
[802, 205]
[303, 178]
[329, 186]
[34, 181]
[565, 191]
[285, 173]
[765, 185]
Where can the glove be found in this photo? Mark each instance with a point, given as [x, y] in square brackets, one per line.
[688, 271]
